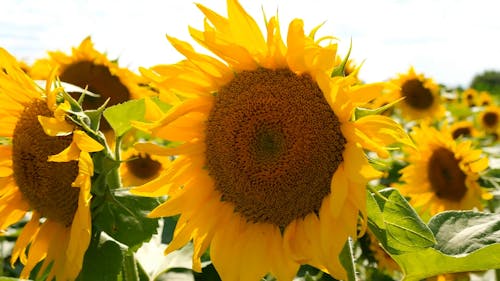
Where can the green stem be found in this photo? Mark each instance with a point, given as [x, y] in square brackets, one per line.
[376, 192]
[129, 268]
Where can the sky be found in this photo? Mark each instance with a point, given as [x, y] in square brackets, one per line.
[447, 40]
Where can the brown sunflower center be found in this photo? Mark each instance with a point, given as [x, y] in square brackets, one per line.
[416, 95]
[143, 167]
[45, 185]
[490, 119]
[99, 80]
[273, 145]
[461, 131]
[446, 178]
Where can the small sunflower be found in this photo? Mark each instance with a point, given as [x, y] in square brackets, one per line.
[384, 261]
[462, 129]
[88, 68]
[484, 99]
[46, 169]
[442, 174]
[139, 168]
[489, 119]
[421, 96]
[270, 172]
[469, 97]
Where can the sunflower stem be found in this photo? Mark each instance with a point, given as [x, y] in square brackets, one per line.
[129, 268]
[376, 192]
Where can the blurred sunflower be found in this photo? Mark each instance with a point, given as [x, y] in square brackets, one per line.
[46, 168]
[139, 168]
[469, 97]
[271, 171]
[442, 174]
[384, 261]
[489, 118]
[484, 99]
[421, 96]
[86, 67]
[464, 129]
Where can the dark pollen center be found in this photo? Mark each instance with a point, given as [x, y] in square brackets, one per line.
[446, 178]
[490, 119]
[273, 145]
[461, 132]
[143, 167]
[416, 95]
[98, 80]
[45, 185]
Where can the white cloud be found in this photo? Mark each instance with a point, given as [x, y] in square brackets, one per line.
[448, 40]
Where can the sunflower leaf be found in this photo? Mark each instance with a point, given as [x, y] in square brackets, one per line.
[120, 115]
[124, 217]
[466, 241]
[402, 229]
[103, 260]
[462, 232]
[347, 260]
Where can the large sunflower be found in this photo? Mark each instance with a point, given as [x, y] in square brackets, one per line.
[271, 171]
[87, 67]
[442, 173]
[421, 96]
[46, 169]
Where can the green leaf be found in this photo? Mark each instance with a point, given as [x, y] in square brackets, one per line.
[462, 232]
[103, 261]
[362, 112]
[11, 279]
[466, 241]
[402, 229]
[339, 70]
[124, 217]
[347, 260]
[120, 115]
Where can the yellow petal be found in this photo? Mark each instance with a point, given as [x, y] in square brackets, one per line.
[244, 29]
[85, 142]
[72, 152]
[356, 165]
[54, 127]
[338, 190]
[27, 234]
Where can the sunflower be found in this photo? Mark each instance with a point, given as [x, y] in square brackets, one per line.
[421, 96]
[484, 99]
[139, 168]
[46, 169]
[384, 261]
[88, 68]
[489, 119]
[461, 129]
[469, 97]
[442, 174]
[270, 172]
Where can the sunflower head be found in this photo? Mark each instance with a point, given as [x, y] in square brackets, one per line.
[489, 119]
[46, 168]
[484, 99]
[442, 173]
[421, 96]
[89, 69]
[462, 129]
[139, 168]
[469, 97]
[269, 142]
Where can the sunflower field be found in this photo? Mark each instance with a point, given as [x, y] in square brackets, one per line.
[269, 159]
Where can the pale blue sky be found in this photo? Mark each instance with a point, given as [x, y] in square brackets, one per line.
[448, 40]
